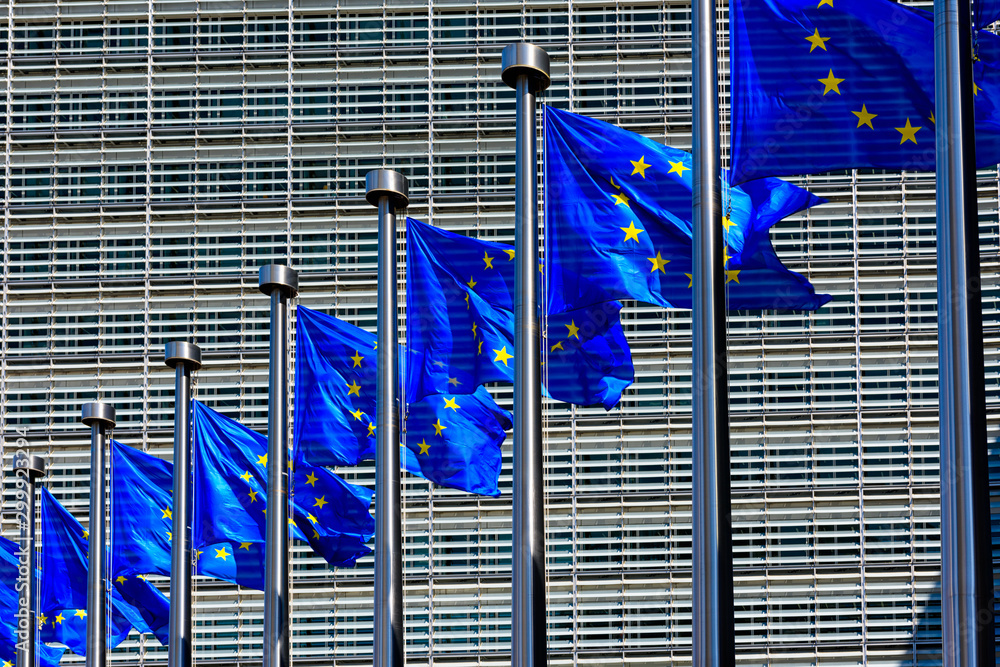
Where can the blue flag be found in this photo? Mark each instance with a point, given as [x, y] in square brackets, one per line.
[618, 224]
[985, 12]
[844, 84]
[335, 376]
[230, 496]
[142, 521]
[460, 323]
[62, 603]
[48, 656]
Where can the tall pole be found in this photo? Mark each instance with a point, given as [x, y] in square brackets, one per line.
[389, 191]
[713, 639]
[525, 68]
[281, 283]
[99, 417]
[30, 467]
[184, 358]
[966, 557]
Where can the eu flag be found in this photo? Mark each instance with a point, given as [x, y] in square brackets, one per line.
[460, 324]
[142, 521]
[62, 603]
[48, 656]
[840, 84]
[230, 495]
[618, 224]
[335, 376]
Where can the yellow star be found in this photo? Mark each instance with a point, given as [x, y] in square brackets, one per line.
[312, 518]
[357, 414]
[81, 613]
[357, 358]
[557, 346]
[615, 185]
[320, 502]
[245, 545]
[315, 534]
[262, 460]
[121, 579]
[677, 168]
[354, 388]
[198, 552]
[639, 167]
[475, 327]
[253, 496]
[815, 40]
[488, 260]
[424, 448]
[472, 282]
[725, 254]
[831, 83]
[311, 479]
[909, 133]
[42, 620]
[454, 382]
[621, 198]
[931, 118]
[510, 254]
[824, 2]
[975, 89]
[732, 276]
[631, 232]
[8, 663]
[865, 118]
[246, 476]
[658, 263]
[170, 536]
[222, 553]
[167, 514]
[573, 331]
[58, 619]
[690, 279]
[438, 427]
[727, 223]
[466, 301]
[480, 350]
[502, 355]
[371, 429]
[86, 534]
[451, 403]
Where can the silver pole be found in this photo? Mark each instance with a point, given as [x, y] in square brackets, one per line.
[99, 417]
[281, 283]
[966, 557]
[389, 191]
[713, 640]
[30, 467]
[184, 358]
[525, 68]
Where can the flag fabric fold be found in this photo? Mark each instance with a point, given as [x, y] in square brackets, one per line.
[230, 496]
[845, 84]
[48, 656]
[618, 224]
[460, 324]
[335, 397]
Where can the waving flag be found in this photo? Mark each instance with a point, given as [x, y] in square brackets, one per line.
[48, 656]
[618, 224]
[460, 323]
[841, 84]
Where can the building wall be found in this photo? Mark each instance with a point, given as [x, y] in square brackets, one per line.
[158, 152]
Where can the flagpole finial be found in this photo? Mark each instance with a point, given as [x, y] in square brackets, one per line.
[279, 276]
[182, 352]
[528, 60]
[32, 464]
[98, 413]
[387, 183]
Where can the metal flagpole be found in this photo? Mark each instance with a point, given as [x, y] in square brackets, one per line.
[713, 639]
[99, 417]
[281, 283]
[184, 358]
[389, 191]
[525, 68]
[30, 467]
[966, 555]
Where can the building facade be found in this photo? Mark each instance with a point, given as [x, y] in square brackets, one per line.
[158, 151]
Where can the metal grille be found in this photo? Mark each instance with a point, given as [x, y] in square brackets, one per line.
[158, 152]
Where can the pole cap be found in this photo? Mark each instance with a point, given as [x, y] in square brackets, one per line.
[182, 352]
[32, 464]
[387, 183]
[527, 60]
[98, 413]
[278, 276]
